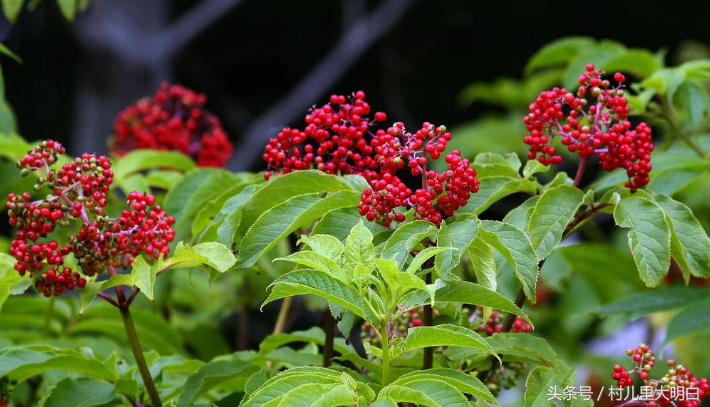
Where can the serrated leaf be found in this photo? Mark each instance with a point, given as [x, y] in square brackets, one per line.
[325, 245]
[649, 238]
[279, 221]
[427, 254]
[475, 294]
[140, 160]
[196, 190]
[520, 216]
[80, 392]
[540, 381]
[523, 346]
[445, 335]
[483, 262]
[307, 281]
[358, 245]
[463, 382]
[637, 61]
[517, 249]
[533, 167]
[285, 381]
[690, 245]
[493, 189]
[289, 185]
[397, 283]
[22, 363]
[213, 209]
[427, 392]
[659, 300]
[558, 52]
[210, 375]
[553, 212]
[692, 320]
[404, 239]
[339, 222]
[11, 283]
[313, 335]
[457, 235]
[316, 261]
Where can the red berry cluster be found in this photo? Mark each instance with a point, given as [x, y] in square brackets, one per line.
[494, 323]
[339, 139]
[78, 192]
[666, 389]
[174, 119]
[591, 121]
[334, 140]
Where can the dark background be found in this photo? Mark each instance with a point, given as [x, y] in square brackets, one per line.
[76, 76]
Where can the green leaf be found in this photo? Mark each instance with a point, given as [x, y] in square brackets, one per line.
[553, 212]
[5, 50]
[458, 235]
[141, 160]
[483, 261]
[397, 283]
[214, 209]
[540, 381]
[194, 192]
[92, 289]
[640, 62]
[533, 167]
[691, 320]
[288, 380]
[405, 238]
[649, 238]
[211, 255]
[690, 245]
[273, 192]
[425, 255]
[558, 52]
[493, 189]
[80, 392]
[10, 281]
[210, 375]
[694, 101]
[12, 8]
[22, 363]
[339, 223]
[517, 249]
[279, 221]
[358, 245]
[659, 300]
[312, 335]
[306, 281]
[523, 347]
[475, 294]
[445, 335]
[426, 392]
[465, 383]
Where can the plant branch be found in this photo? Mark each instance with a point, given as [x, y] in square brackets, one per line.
[668, 110]
[138, 354]
[283, 315]
[580, 171]
[108, 298]
[329, 328]
[360, 36]
[510, 318]
[581, 217]
[188, 26]
[428, 321]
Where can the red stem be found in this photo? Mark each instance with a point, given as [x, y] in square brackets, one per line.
[580, 171]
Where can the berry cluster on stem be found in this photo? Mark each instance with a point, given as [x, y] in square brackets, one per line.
[669, 390]
[593, 120]
[78, 192]
[340, 138]
[174, 119]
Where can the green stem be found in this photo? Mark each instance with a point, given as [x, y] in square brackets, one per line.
[428, 321]
[385, 352]
[138, 354]
[283, 315]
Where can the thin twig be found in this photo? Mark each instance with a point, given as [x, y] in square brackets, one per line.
[108, 298]
[283, 315]
[188, 26]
